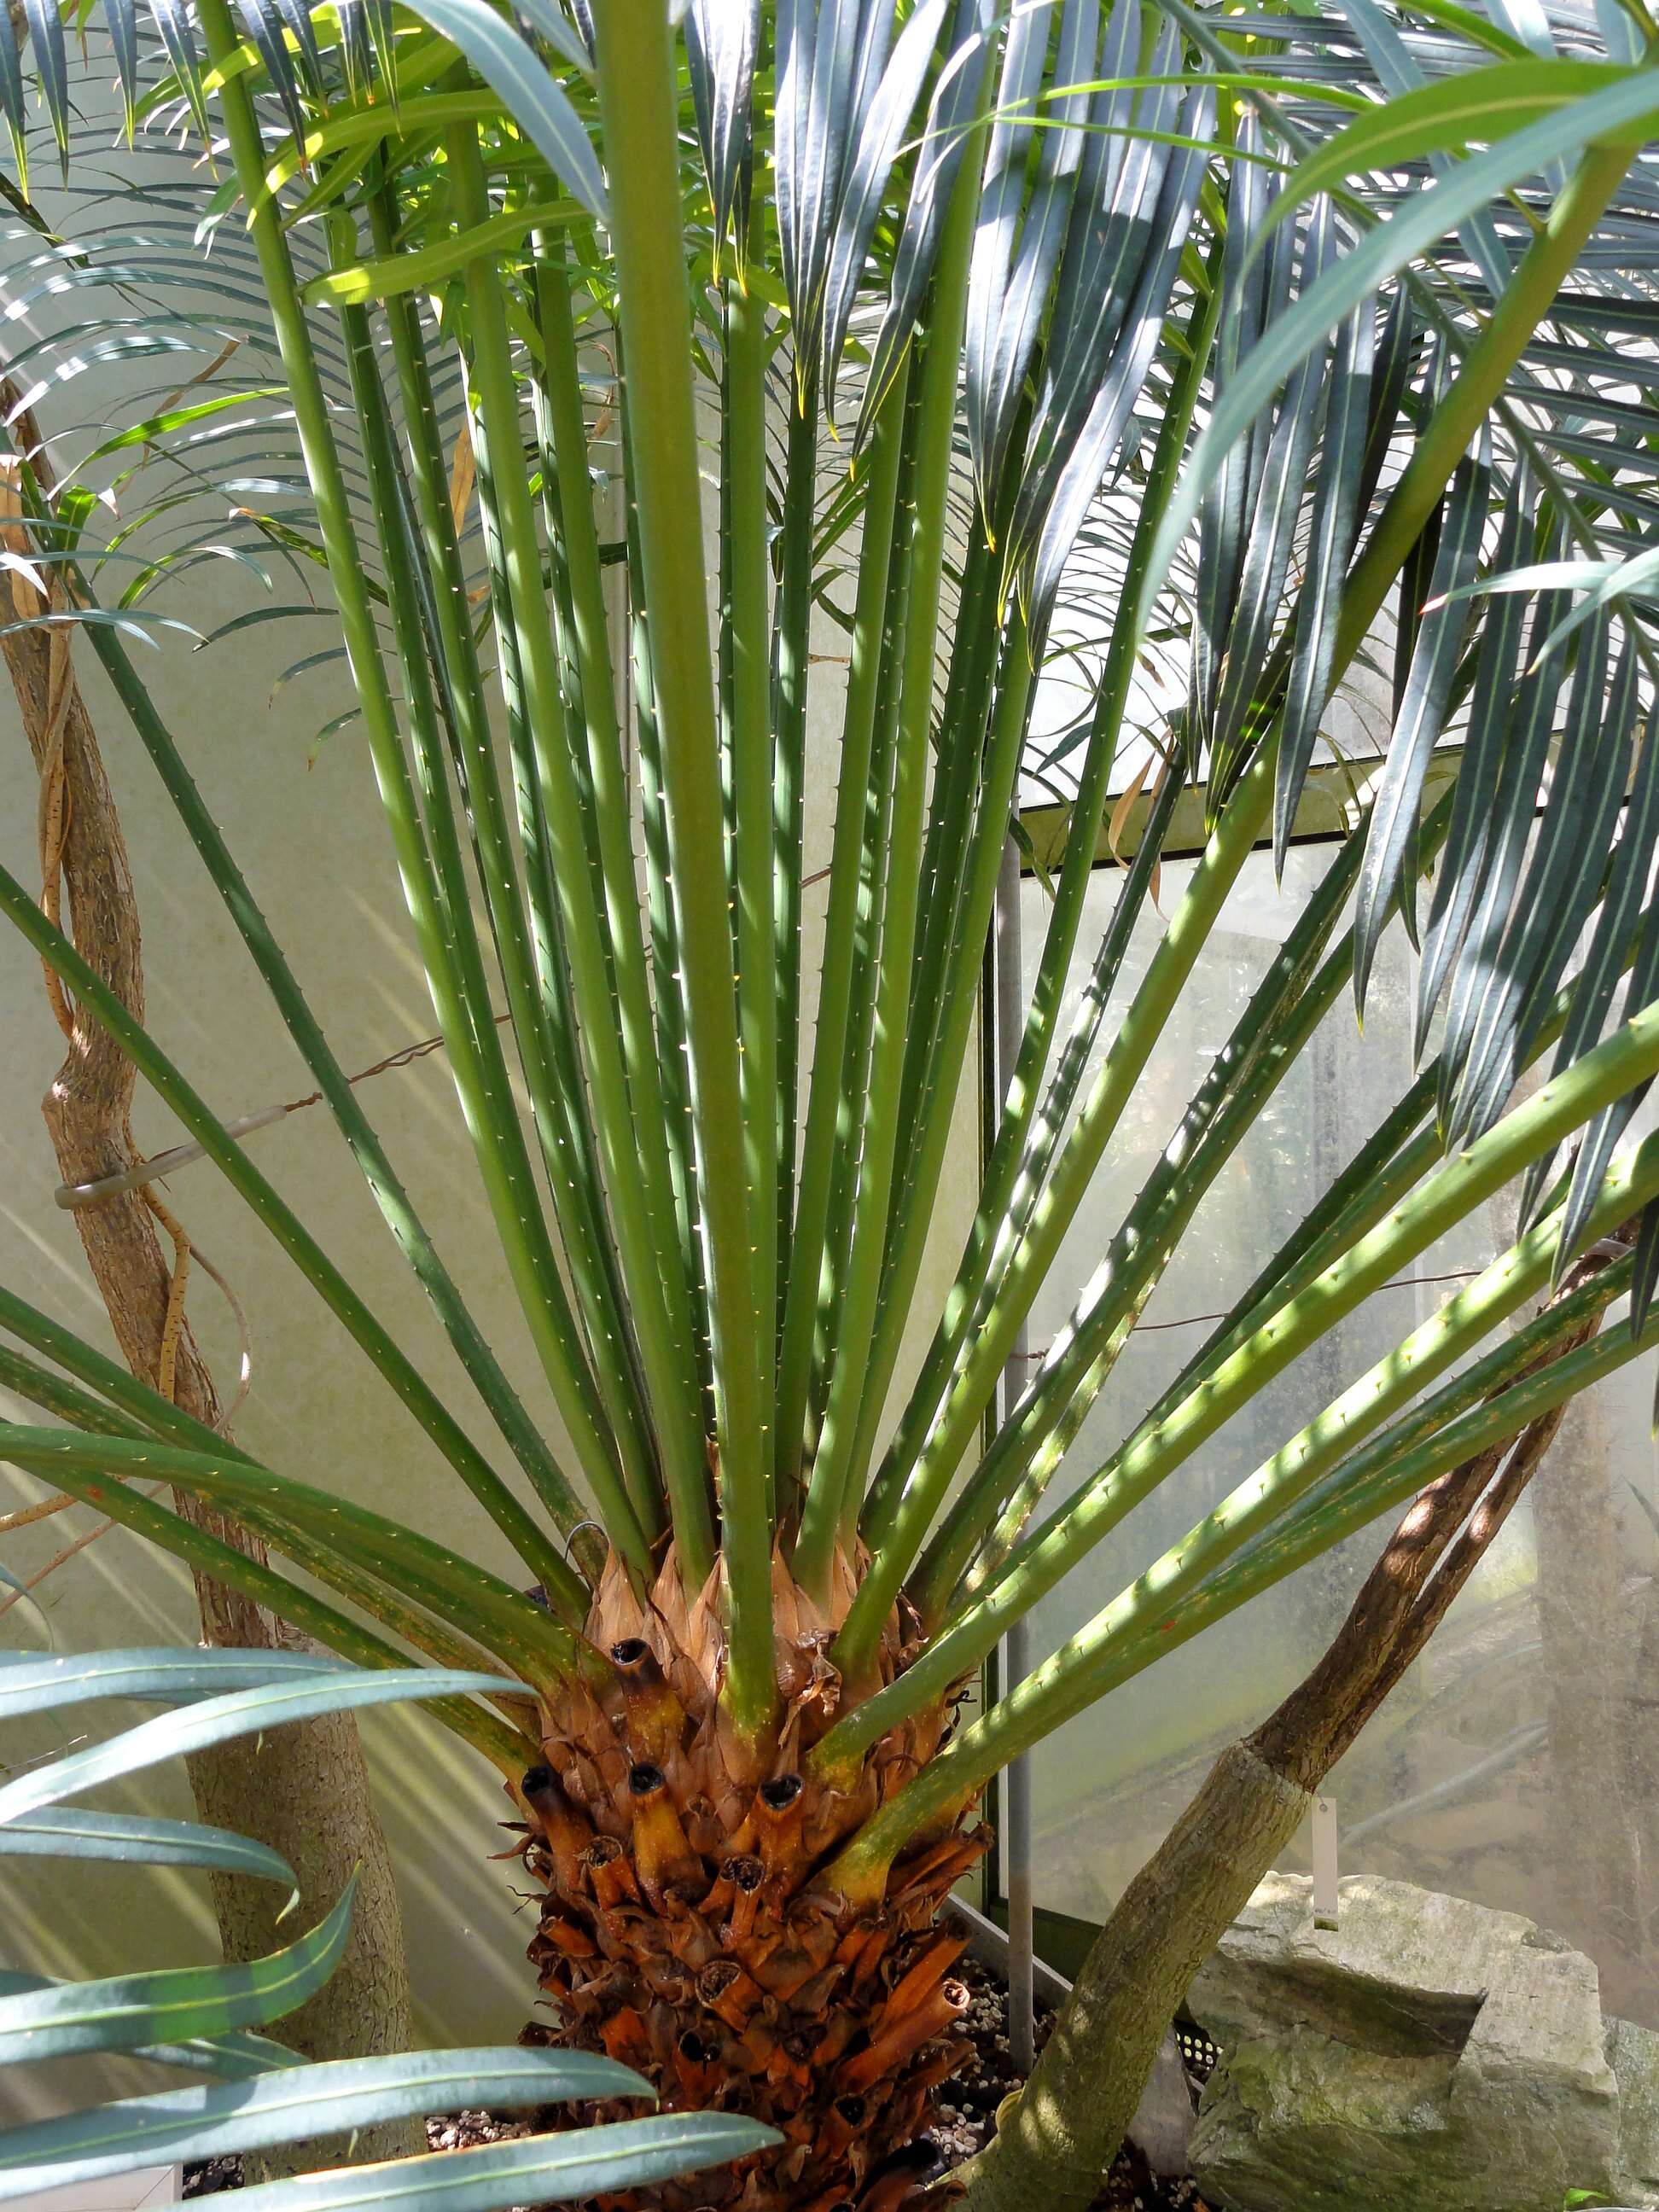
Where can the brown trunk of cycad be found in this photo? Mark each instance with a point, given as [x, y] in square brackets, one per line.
[682, 1929]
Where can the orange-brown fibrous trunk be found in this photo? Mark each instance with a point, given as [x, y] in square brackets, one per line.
[684, 1926]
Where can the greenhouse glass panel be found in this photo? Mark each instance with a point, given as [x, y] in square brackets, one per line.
[1517, 1765]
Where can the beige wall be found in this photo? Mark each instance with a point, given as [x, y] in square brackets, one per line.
[313, 845]
[312, 841]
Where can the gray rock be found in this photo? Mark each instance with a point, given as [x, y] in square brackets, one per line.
[1425, 2052]
[1162, 2129]
[1633, 2054]
[1296, 2123]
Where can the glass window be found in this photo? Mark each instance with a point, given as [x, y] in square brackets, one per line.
[1516, 1764]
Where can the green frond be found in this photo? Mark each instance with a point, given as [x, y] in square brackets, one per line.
[700, 448]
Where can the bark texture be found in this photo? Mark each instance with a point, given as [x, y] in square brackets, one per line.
[304, 1788]
[1059, 2136]
[1056, 2138]
[680, 1928]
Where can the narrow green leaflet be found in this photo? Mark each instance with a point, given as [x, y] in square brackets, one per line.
[1476, 108]
[237, 2056]
[217, 1719]
[1383, 252]
[174, 2003]
[214, 2121]
[138, 1838]
[537, 2169]
[508, 63]
[161, 1675]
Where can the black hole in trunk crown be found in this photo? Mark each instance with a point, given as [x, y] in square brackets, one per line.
[536, 1778]
[630, 1651]
[745, 1874]
[778, 1795]
[645, 1780]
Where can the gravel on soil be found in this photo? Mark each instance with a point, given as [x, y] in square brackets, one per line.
[964, 2120]
[965, 2117]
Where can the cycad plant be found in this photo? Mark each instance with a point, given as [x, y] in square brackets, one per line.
[1342, 361]
[256, 2095]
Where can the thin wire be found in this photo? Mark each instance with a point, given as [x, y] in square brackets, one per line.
[402, 1058]
[160, 1164]
[1191, 1320]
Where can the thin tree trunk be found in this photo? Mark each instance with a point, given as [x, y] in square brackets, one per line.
[1055, 2140]
[304, 1788]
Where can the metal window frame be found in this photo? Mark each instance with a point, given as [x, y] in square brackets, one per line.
[1333, 800]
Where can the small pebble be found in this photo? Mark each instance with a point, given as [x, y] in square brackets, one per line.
[964, 2118]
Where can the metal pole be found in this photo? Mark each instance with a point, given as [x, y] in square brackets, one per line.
[1016, 1661]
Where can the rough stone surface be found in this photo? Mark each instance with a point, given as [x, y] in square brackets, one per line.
[1425, 2052]
[1633, 2054]
[1162, 2129]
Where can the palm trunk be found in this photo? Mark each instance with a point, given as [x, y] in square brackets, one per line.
[680, 1930]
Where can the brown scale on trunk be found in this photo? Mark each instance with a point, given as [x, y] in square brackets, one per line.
[682, 1926]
